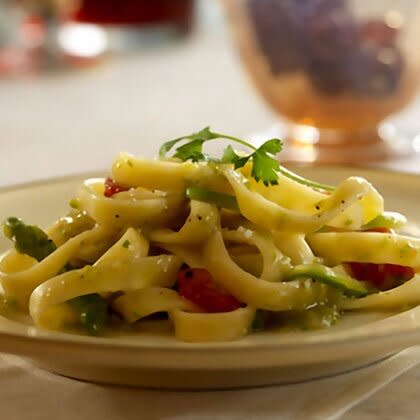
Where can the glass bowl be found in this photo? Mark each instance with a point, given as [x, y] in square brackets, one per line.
[335, 69]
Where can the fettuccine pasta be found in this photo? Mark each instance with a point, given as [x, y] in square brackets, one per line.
[216, 247]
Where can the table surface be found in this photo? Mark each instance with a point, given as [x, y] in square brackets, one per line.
[76, 121]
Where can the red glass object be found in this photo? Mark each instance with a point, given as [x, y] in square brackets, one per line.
[135, 12]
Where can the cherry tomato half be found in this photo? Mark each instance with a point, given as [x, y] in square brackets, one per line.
[112, 187]
[381, 276]
[197, 285]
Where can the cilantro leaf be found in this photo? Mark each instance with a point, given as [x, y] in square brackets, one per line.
[272, 146]
[230, 156]
[265, 166]
[191, 151]
[196, 151]
[166, 147]
[204, 134]
[264, 162]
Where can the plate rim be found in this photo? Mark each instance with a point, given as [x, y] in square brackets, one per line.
[112, 343]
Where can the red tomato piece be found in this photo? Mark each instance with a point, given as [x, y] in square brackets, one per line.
[381, 276]
[379, 229]
[112, 187]
[197, 285]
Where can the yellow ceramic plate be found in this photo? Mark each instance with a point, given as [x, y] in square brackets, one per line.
[156, 359]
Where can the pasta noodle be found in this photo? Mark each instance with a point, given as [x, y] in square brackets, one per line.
[259, 293]
[216, 247]
[269, 215]
[336, 247]
[198, 327]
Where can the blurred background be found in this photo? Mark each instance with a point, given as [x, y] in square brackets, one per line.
[83, 79]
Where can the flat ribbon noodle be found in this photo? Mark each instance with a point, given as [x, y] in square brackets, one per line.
[294, 246]
[188, 256]
[60, 232]
[114, 211]
[304, 199]
[373, 247]
[404, 296]
[256, 292]
[201, 222]
[122, 269]
[271, 216]
[252, 263]
[141, 303]
[274, 262]
[203, 327]
[21, 284]
[13, 262]
[70, 226]
[132, 171]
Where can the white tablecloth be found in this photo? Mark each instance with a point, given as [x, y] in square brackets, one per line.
[32, 394]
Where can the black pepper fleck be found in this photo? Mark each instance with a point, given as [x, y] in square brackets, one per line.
[317, 207]
[117, 216]
[199, 217]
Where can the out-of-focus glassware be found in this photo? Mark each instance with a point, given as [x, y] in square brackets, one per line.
[20, 39]
[39, 35]
[135, 12]
[334, 68]
[129, 24]
[30, 37]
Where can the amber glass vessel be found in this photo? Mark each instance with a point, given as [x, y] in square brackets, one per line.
[335, 69]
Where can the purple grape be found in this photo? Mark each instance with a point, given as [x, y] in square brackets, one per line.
[278, 26]
[330, 32]
[327, 76]
[377, 70]
[377, 32]
[378, 65]
[331, 35]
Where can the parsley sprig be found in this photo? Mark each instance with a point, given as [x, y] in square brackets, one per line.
[265, 166]
[264, 163]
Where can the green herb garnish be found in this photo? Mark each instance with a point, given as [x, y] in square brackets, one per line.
[388, 220]
[93, 312]
[265, 166]
[225, 201]
[258, 323]
[33, 241]
[126, 243]
[74, 203]
[28, 239]
[348, 285]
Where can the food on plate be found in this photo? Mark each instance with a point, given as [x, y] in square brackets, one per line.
[222, 247]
